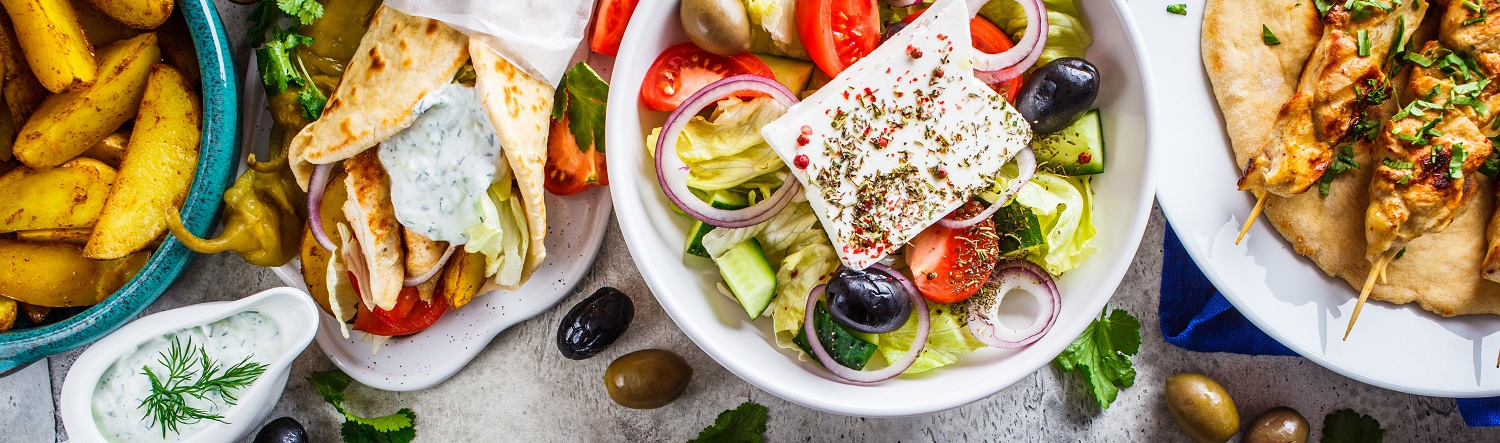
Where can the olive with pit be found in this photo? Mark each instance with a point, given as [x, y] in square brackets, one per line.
[718, 26]
[282, 430]
[1202, 408]
[1058, 93]
[1278, 425]
[868, 301]
[594, 323]
[647, 379]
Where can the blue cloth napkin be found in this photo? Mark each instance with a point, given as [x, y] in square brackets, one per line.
[1196, 317]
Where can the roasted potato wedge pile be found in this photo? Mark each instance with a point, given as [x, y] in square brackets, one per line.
[99, 137]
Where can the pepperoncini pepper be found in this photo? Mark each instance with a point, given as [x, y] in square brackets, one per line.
[263, 221]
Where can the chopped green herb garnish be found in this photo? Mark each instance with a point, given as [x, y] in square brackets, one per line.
[1102, 354]
[1347, 426]
[1491, 166]
[1456, 162]
[280, 66]
[191, 373]
[1179, 9]
[1400, 254]
[1323, 6]
[395, 428]
[1483, 13]
[1397, 164]
[1268, 37]
[1363, 43]
[1419, 59]
[1342, 162]
[745, 424]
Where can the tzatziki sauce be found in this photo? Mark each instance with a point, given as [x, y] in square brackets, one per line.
[442, 164]
[117, 400]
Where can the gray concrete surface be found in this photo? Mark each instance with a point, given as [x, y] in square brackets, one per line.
[521, 389]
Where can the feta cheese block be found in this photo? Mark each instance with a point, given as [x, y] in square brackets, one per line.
[900, 139]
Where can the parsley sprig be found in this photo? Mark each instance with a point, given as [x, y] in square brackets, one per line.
[581, 99]
[191, 373]
[395, 428]
[1102, 354]
[1347, 426]
[280, 66]
[744, 424]
[1342, 162]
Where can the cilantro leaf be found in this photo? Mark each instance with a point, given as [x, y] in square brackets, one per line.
[1342, 162]
[276, 58]
[306, 11]
[1103, 353]
[581, 97]
[1179, 9]
[1456, 161]
[1267, 37]
[1347, 426]
[744, 424]
[262, 18]
[312, 100]
[395, 428]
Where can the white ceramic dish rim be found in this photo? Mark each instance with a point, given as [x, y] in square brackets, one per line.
[1177, 204]
[626, 191]
[294, 313]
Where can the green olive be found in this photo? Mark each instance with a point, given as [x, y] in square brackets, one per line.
[1201, 408]
[718, 26]
[1278, 425]
[647, 379]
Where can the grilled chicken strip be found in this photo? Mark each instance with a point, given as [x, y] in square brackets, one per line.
[1480, 37]
[1326, 104]
[372, 219]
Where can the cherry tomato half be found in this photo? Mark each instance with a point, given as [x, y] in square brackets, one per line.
[950, 265]
[684, 69]
[411, 315]
[838, 33]
[609, 25]
[569, 169]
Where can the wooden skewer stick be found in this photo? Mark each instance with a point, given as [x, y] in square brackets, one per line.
[1497, 363]
[1260, 204]
[1364, 294]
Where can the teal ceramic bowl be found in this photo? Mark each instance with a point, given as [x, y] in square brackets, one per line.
[217, 162]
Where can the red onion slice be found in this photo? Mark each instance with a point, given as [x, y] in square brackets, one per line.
[901, 3]
[1013, 275]
[317, 186]
[996, 68]
[924, 326]
[672, 173]
[1026, 163]
[436, 268]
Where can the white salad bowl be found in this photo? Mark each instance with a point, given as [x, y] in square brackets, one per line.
[294, 313]
[685, 285]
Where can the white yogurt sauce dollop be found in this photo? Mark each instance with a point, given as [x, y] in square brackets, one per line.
[442, 164]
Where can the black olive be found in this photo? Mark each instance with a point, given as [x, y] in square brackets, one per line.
[594, 323]
[870, 302]
[282, 430]
[891, 30]
[1057, 93]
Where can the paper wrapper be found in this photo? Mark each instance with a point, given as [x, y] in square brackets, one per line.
[540, 36]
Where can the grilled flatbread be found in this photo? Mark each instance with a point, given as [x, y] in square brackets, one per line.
[399, 60]
[520, 107]
[1252, 81]
[373, 222]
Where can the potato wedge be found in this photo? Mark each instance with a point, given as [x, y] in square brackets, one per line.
[56, 275]
[111, 150]
[101, 29]
[49, 33]
[72, 236]
[70, 196]
[65, 125]
[20, 89]
[462, 278]
[139, 14]
[8, 310]
[157, 170]
[315, 268]
[35, 314]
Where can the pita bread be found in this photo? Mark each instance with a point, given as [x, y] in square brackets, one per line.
[373, 222]
[520, 107]
[1440, 272]
[399, 60]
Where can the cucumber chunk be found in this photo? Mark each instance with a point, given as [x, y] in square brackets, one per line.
[717, 199]
[843, 345]
[749, 276]
[1076, 150]
[791, 72]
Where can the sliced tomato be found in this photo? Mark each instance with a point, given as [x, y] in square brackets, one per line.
[609, 25]
[569, 169]
[684, 69]
[411, 315]
[838, 33]
[950, 265]
[989, 39]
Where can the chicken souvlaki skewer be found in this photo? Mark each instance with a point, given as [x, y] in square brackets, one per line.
[1430, 153]
[1477, 28]
[1346, 66]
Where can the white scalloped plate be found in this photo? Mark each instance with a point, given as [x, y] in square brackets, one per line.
[1400, 348]
[575, 230]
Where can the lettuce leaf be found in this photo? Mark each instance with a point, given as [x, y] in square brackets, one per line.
[949, 338]
[1067, 34]
[773, 28]
[1064, 206]
[726, 150]
[502, 235]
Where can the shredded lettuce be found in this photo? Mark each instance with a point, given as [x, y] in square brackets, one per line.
[949, 338]
[726, 150]
[1067, 34]
[502, 235]
[773, 28]
[1064, 206]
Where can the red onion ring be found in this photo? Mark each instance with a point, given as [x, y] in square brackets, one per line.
[1026, 162]
[924, 326]
[901, 3]
[436, 268]
[1011, 275]
[672, 173]
[996, 68]
[317, 186]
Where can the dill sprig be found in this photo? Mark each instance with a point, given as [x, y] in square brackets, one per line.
[190, 372]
